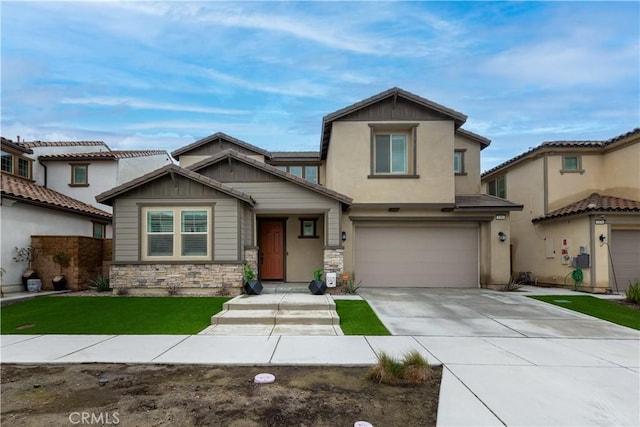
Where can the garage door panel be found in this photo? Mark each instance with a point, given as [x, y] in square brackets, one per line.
[625, 253]
[420, 257]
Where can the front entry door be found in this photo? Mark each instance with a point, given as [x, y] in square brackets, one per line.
[271, 250]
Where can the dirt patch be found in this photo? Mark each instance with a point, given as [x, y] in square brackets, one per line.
[627, 303]
[170, 395]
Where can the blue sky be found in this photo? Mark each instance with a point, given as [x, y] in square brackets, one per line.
[164, 74]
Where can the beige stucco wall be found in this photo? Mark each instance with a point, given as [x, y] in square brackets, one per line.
[303, 255]
[469, 183]
[551, 270]
[349, 164]
[621, 172]
[566, 188]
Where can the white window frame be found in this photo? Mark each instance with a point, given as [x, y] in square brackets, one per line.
[176, 233]
[461, 170]
[405, 166]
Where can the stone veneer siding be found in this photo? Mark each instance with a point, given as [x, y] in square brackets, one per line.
[334, 261]
[251, 258]
[183, 275]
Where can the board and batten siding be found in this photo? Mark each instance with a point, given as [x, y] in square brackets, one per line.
[284, 197]
[127, 232]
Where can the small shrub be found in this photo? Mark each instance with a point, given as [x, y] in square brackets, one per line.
[351, 287]
[248, 273]
[317, 275]
[100, 284]
[412, 369]
[513, 285]
[633, 293]
[173, 289]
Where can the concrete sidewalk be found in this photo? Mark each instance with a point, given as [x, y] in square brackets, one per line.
[507, 359]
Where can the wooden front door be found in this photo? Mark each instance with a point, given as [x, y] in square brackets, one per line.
[271, 250]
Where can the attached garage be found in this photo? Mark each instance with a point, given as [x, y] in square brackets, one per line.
[625, 253]
[417, 256]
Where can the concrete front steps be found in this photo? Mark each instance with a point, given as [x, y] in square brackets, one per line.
[277, 314]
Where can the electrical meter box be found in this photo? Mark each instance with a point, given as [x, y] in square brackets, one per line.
[581, 261]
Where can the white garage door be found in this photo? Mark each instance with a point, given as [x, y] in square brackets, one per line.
[417, 256]
[625, 253]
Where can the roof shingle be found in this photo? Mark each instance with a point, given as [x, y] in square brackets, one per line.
[107, 155]
[595, 203]
[36, 144]
[18, 188]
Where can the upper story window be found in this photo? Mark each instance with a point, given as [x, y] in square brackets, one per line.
[458, 162]
[498, 187]
[571, 163]
[310, 173]
[16, 165]
[393, 150]
[99, 230]
[79, 175]
[176, 233]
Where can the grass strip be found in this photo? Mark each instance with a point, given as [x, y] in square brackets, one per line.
[357, 318]
[596, 307]
[110, 315]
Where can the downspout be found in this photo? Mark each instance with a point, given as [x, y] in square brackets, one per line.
[45, 171]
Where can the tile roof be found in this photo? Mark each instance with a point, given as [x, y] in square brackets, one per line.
[311, 155]
[272, 170]
[169, 169]
[595, 203]
[565, 144]
[219, 135]
[36, 144]
[29, 192]
[327, 120]
[108, 155]
[484, 202]
[17, 147]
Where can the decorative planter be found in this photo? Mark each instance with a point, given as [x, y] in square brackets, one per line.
[28, 274]
[317, 287]
[59, 283]
[252, 287]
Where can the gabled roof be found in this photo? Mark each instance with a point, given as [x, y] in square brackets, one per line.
[104, 155]
[219, 135]
[580, 145]
[28, 192]
[484, 202]
[395, 92]
[15, 146]
[108, 196]
[232, 154]
[295, 155]
[484, 142]
[36, 144]
[593, 204]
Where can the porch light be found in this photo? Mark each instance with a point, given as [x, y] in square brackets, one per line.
[502, 237]
[344, 236]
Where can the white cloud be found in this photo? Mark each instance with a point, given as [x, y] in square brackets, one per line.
[146, 105]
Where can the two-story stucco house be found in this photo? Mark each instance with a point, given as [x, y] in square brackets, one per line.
[49, 188]
[580, 198]
[392, 197]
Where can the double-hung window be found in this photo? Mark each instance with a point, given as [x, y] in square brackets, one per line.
[177, 233]
[310, 173]
[458, 162]
[498, 187]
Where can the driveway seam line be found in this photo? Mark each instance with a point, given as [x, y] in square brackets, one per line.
[275, 347]
[89, 346]
[172, 347]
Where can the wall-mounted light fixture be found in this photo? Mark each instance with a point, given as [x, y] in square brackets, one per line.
[502, 237]
[344, 236]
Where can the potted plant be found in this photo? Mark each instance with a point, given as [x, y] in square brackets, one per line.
[317, 286]
[62, 259]
[251, 285]
[25, 255]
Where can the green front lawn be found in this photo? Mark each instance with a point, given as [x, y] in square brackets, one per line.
[111, 315]
[357, 318]
[596, 307]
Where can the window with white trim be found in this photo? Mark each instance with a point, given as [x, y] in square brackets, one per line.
[176, 233]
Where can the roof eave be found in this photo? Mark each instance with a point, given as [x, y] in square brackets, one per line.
[39, 203]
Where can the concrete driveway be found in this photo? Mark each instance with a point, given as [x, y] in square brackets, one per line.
[511, 360]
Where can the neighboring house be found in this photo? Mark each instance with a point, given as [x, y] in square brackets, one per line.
[83, 169]
[580, 198]
[392, 198]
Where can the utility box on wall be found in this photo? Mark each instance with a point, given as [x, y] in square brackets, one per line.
[581, 261]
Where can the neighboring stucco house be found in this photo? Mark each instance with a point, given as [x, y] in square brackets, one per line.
[83, 169]
[579, 197]
[392, 198]
[30, 209]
